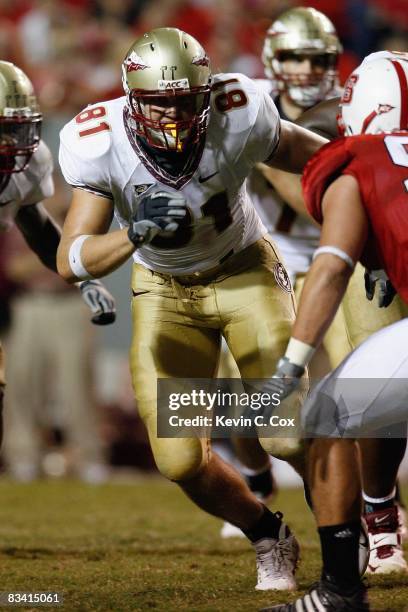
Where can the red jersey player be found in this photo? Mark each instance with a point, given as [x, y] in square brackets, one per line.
[357, 188]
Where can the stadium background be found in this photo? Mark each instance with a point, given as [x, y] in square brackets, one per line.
[137, 543]
[72, 51]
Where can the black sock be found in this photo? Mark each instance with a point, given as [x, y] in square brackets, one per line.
[268, 526]
[340, 552]
[262, 483]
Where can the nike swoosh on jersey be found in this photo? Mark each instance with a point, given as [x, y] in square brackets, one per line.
[204, 179]
[5, 203]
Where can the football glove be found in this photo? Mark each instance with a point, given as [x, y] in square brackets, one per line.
[156, 213]
[385, 289]
[99, 300]
[285, 380]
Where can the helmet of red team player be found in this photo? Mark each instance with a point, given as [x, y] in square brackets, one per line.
[375, 97]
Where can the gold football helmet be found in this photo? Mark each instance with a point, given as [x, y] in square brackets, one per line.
[302, 33]
[167, 80]
[20, 119]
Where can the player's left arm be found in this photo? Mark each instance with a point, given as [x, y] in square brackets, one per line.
[344, 233]
[43, 234]
[321, 120]
[295, 147]
[288, 186]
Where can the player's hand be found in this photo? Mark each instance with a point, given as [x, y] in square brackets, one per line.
[285, 380]
[160, 212]
[385, 289]
[99, 300]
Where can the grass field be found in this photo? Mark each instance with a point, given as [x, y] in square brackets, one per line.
[142, 546]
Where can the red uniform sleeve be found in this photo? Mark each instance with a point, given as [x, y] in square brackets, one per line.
[322, 169]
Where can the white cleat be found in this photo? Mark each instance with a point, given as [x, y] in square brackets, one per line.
[276, 562]
[402, 523]
[230, 531]
[386, 554]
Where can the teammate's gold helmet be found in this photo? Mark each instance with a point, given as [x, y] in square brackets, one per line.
[20, 119]
[167, 68]
[298, 33]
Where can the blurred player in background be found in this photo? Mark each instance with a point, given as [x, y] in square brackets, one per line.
[53, 393]
[26, 179]
[356, 187]
[300, 56]
[175, 152]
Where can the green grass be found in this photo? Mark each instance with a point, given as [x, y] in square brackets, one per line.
[143, 546]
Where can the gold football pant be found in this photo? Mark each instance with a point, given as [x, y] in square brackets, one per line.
[357, 318]
[177, 328]
[364, 318]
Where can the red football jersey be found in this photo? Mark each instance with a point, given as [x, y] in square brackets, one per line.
[379, 162]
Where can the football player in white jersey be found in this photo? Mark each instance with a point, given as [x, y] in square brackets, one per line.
[26, 179]
[176, 150]
[300, 55]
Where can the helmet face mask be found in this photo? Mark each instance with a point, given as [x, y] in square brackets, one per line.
[171, 121]
[297, 35]
[20, 120]
[19, 139]
[373, 100]
[167, 81]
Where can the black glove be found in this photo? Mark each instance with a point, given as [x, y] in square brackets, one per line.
[385, 289]
[99, 300]
[160, 212]
[285, 380]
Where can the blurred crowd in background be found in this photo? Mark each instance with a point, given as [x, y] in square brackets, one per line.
[72, 50]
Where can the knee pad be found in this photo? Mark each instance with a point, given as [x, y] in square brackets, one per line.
[283, 448]
[179, 459]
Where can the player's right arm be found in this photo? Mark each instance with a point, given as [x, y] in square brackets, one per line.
[101, 253]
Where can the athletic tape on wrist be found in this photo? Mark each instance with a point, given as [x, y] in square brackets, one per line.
[299, 352]
[75, 261]
[335, 251]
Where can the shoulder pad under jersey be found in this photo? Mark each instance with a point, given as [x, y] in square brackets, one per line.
[87, 142]
[322, 118]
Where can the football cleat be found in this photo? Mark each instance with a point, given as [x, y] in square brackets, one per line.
[276, 561]
[402, 522]
[321, 598]
[386, 554]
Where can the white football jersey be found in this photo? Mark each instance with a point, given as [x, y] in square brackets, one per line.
[367, 392]
[96, 155]
[28, 187]
[296, 237]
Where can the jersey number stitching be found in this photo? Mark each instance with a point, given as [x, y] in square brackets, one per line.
[226, 101]
[88, 115]
[397, 147]
[217, 207]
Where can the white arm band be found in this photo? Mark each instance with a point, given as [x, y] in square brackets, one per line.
[335, 251]
[299, 352]
[75, 261]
